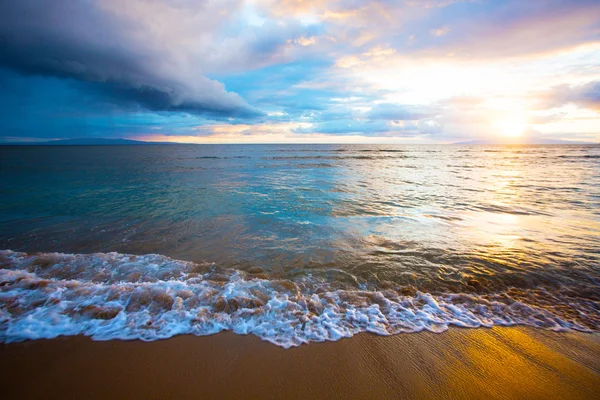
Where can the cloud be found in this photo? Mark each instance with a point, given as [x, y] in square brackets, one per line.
[440, 31]
[372, 128]
[396, 112]
[586, 95]
[469, 29]
[435, 69]
[85, 42]
[505, 29]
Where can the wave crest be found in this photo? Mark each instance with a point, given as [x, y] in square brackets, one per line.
[149, 297]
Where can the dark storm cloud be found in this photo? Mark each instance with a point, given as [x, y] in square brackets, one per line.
[78, 40]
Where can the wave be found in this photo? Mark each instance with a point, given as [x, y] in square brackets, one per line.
[336, 157]
[149, 297]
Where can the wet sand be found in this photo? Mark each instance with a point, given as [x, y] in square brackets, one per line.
[498, 363]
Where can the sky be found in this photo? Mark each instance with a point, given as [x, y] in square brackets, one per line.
[300, 71]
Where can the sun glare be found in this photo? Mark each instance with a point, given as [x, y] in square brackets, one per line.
[510, 127]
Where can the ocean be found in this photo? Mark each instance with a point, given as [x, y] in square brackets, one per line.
[296, 243]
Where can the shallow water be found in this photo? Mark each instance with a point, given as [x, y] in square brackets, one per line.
[296, 243]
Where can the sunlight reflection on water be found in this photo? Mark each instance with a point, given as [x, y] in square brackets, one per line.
[440, 219]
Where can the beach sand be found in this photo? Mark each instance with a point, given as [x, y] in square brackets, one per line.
[498, 363]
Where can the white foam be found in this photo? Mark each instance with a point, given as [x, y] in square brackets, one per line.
[150, 297]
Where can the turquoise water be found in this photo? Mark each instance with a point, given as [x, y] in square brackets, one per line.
[296, 243]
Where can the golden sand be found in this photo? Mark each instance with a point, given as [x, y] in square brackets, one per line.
[498, 363]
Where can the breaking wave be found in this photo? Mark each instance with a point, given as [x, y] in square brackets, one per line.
[149, 297]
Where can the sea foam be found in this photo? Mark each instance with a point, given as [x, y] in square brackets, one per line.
[149, 297]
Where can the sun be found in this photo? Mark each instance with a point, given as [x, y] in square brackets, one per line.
[511, 126]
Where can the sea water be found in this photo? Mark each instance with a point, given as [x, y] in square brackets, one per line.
[296, 243]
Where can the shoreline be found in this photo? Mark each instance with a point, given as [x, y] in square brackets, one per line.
[499, 362]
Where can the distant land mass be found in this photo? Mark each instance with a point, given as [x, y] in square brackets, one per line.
[87, 142]
[129, 142]
[522, 141]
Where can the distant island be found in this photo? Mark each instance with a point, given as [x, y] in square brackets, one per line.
[87, 142]
[130, 142]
